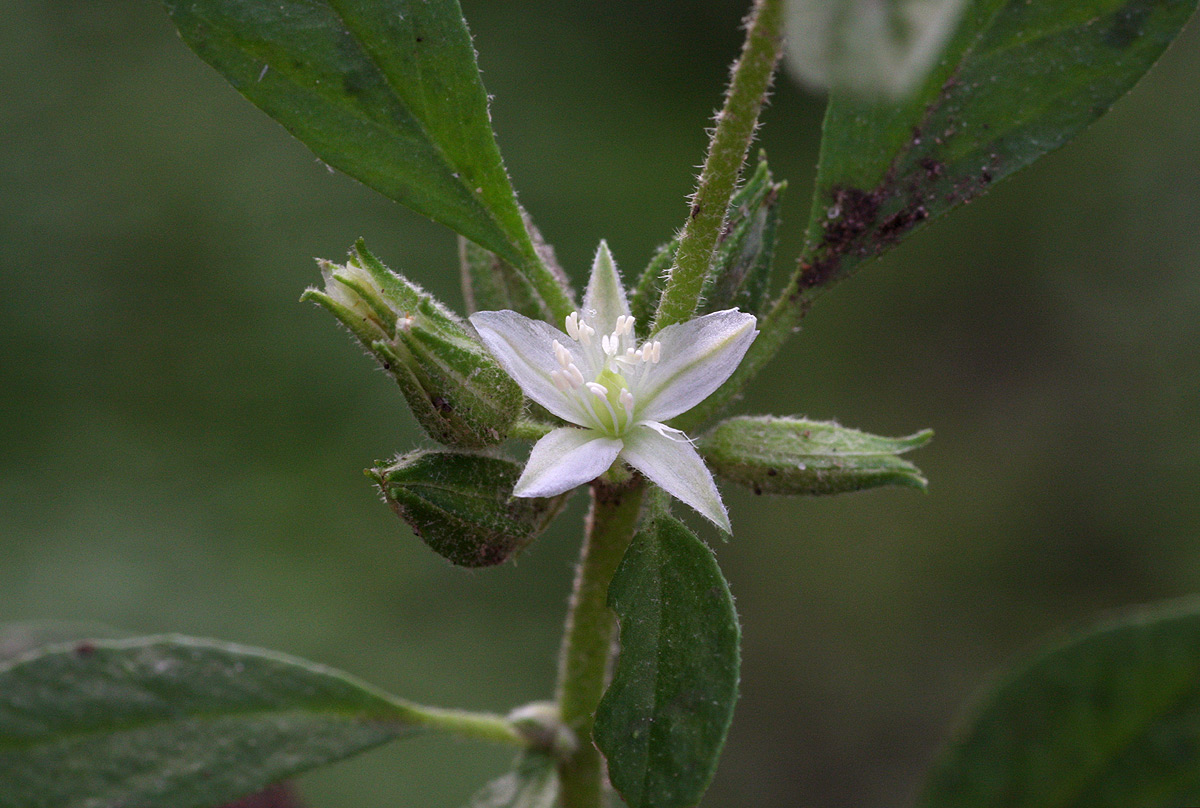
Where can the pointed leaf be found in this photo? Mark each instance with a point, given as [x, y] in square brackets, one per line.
[175, 722]
[662, 723]
[385, 90]
[773, 455]
[1018, 79]
[1106, 718]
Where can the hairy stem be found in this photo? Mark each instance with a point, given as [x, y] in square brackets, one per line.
[587, 643]
[736, 122]
[483, 726]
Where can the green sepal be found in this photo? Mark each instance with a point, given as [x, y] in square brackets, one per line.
[490, 283]
[457, 391]
[461, 504]
[662, 722]
[533, 783]
[741, 270]
[772, 455]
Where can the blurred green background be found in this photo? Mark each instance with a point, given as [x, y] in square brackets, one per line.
[182, 443]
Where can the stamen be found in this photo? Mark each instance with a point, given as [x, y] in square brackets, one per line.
[598, 390]
[626, 399]
[656, 352]
[585, 333]
[560, 381]
[561, 354]
[572, 324]
[576, 376]
[610, 343]
[624, 324]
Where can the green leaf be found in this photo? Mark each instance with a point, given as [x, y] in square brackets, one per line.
[18, 639]
[1018, 79]
[533, 783]
[175, 723]
[461, 504]
[662, 723]
[773, 455]
[385, 90]
[1106, 718]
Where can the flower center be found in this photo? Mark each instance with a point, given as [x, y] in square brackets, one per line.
[606, 400]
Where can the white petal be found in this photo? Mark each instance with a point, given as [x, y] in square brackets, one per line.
[696, 357]
[668, 459]
[525, 349]
[565, 458]
[604, 300]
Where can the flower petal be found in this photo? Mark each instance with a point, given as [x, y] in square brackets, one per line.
[666, 456]
[565, 458]
[605, 299]
[697, 356]
[525, 349]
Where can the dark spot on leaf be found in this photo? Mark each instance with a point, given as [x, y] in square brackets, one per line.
[933, 168]
[695, 211]
[277, 796]
[85, 649]
[441, 405]
[1126, 24]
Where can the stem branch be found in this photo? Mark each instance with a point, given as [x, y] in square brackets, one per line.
[736, 122]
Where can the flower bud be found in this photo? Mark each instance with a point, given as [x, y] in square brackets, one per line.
[794, 456]
[462, 506]
[456, 390]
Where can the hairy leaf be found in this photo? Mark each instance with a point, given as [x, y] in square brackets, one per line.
[662, 723]
[1018, 79]
[175, 722]
[1107, 718]
[385, 90]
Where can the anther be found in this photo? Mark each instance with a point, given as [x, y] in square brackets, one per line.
[626, 399]
[572, 324]
[585, 333]
[561, 354]
[560, 381]
[598, 390]
[576, 376]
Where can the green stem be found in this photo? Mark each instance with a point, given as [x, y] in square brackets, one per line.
[482, 726]
[727, 151]
[587, 644]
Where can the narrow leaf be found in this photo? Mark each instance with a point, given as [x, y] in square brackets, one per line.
[1018, 79]
[533, 783]
[1107, 718]
[175, 723]
[385, 90]
[796, 456]
[662, 723]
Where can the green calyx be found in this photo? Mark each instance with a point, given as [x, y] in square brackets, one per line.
[461, 504]
[456, 390]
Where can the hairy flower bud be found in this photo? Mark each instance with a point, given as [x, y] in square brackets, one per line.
[461, 504]
[800, 457]
[456, 390]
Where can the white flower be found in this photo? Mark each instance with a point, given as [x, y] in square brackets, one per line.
[595, 375]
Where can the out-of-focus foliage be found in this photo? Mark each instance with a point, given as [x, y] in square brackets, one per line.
[183, 442]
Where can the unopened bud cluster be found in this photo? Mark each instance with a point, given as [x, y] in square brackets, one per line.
[456, 390]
